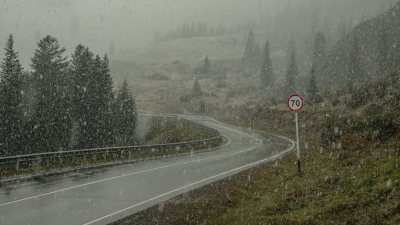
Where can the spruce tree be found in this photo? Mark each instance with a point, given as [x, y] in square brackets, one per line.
[81, 70]
[312, 89]
[267, 77]
[206, 67]
[11, 123]
[92, 100]
[383, 56]
[196, 89]
[319, 45]
[257, 55]
[125, 115]
[100, 99]
[107, 98]
[250, 58]
[354, 64]
[394, 56]
[202, 107]
[51, 120]
[96, 106]
[291, 76]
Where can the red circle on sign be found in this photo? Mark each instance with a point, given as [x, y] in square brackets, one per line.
[291, 107]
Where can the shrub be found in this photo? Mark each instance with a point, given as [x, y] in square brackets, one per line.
[158, 76]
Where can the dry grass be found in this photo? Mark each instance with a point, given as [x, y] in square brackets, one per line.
[349, 175]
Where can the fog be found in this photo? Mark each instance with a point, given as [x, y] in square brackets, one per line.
[128, 24]
[207, 88]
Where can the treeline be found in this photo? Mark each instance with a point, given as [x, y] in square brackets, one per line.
[200, 29]
[62, 104]
[255, 59]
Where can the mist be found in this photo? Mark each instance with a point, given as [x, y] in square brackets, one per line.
[128, 24]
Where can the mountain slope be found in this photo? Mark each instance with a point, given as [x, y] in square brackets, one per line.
[332, 70]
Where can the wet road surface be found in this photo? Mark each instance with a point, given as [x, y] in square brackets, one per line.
[106, 196]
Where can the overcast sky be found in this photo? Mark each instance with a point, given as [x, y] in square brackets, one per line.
[95, 23]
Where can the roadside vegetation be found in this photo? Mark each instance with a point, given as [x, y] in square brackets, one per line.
[163, 130]
[349, 160]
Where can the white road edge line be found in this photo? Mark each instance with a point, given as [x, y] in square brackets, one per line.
[72, 169]
[111, 178]
[141, 203]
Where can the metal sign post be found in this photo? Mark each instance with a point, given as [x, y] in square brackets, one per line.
[295, 103]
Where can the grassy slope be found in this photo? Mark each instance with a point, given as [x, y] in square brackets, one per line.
[180, 132]
[162, 95]
[356, 183]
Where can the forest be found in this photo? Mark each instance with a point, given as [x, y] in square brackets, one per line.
[62, 104]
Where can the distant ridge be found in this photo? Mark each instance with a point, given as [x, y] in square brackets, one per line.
[332, 70]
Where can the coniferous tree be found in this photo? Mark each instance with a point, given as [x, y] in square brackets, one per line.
[267, 77]
[202, 107]
[193, 29]
[196, 89]
[125, 115]
[81, 69]
[394, 56]
[383, 56]
[250, 57]
[354, 65]
[291, 76]
[290, 47]
[319, 45]
[51, 131]
[257, 55]
[206, 67]
[106, 97]
[11, 123]
[92, 100]
[312, 89]
[98, 106]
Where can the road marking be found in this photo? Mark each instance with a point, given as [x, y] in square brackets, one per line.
[197, 160]
[111, 178]
[141, 203]
[112, 163]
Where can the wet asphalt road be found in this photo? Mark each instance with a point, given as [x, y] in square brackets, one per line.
[106, 196]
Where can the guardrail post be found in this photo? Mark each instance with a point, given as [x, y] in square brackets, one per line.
[36, 163]
[84, 159]
[33, 164]
[61, 161]
[130, 154]
[73, 159]
[95, 157]
[17, 164]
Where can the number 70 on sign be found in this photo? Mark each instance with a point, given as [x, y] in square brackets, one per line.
[295, 103]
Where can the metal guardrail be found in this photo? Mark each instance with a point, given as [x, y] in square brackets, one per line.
[127, 152]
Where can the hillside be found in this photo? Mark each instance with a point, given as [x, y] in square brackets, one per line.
[186, 50]
[158, 83]
[333, 69]
[350, 175]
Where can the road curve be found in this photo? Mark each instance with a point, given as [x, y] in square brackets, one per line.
[100, 197]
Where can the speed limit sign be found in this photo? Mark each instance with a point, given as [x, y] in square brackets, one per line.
[295, 103]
